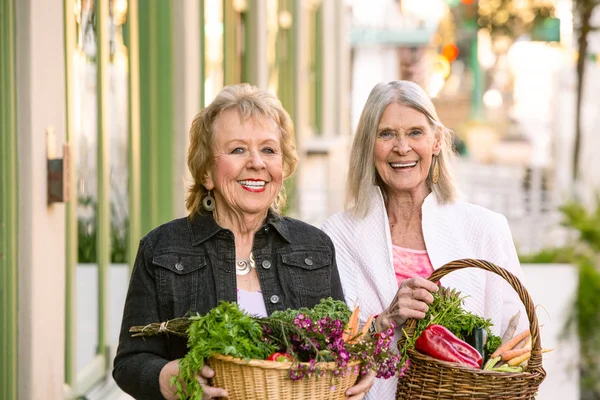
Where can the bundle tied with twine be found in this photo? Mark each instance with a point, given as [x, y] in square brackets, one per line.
[175, 326]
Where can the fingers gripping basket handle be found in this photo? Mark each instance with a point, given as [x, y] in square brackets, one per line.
[536, 354]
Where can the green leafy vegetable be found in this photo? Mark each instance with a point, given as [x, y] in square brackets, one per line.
[225, 330]
[334, 309]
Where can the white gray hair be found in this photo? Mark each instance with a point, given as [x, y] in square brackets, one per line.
[362, 173]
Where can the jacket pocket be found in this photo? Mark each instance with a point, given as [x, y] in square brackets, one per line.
[310, 272]
[179, 275]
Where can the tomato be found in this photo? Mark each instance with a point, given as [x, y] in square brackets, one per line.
[280, 357]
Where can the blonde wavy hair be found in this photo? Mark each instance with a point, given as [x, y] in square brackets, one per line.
[250, 102]
[362, 173]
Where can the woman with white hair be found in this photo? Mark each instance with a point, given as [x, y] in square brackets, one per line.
[403, 220]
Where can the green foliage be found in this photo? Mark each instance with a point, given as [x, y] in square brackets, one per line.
[585, 314]
[554, 255]
[447, 310]
[87, 237]
[335, 309]
[224, 330]
[586, 223]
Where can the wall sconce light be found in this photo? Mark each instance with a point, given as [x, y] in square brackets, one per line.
[285, 19]
[240, 6]
[58, 170]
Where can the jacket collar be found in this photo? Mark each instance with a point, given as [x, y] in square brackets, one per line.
[203, 227]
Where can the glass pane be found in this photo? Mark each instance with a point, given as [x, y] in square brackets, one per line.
[213, 49]
[85, 122]
[84, 116]
[118, 277]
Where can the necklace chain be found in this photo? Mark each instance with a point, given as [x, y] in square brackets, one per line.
[243, 267]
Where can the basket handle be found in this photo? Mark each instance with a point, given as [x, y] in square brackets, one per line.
[535, 361]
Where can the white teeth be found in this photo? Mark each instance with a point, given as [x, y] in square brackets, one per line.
[399, 165]
[256, 184]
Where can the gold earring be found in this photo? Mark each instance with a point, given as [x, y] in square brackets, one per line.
[435, 175]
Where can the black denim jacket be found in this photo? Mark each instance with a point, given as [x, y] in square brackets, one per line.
[189, 265]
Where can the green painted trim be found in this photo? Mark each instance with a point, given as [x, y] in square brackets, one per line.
[231, 65]
[133, 48]
[103, 139]
[71, 206]
[286, 85]
[318, 71]
[156, 112]
[202, 56]
[248, 22]
[286, 57]
[8, 204]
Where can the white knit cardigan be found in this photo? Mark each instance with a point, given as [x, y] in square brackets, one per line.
[451, 231]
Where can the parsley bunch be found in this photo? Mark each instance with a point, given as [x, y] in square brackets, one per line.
[224, 330]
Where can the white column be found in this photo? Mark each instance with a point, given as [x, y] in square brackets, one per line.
[186, 91]
[259, 38]
[41, 243]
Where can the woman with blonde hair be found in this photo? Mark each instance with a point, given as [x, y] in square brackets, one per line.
[403, 220]
[234, 246]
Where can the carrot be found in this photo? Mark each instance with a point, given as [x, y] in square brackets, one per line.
[511, 343]
[365, 329]
[524, 357]
[518, 360]
[522, 343]
[527, 344]
[510, 354]
[352, 326]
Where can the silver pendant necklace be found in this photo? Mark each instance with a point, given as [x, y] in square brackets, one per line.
[243, 267]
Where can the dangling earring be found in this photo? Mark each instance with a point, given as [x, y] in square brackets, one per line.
[208, 202]
[435, 175]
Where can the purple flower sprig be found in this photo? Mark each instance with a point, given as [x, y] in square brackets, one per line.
[312, 341]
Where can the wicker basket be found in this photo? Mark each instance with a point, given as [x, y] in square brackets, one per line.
[428, 378]
[268, 380]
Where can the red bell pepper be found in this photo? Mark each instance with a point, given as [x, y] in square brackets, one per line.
[281, 357]
[438, 342]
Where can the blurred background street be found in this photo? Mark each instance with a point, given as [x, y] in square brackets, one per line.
[119, 82]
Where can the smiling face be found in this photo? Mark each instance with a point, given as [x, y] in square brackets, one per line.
[247, 172]
[404, 150]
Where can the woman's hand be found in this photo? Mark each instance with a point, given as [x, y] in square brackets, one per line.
[361, 388]
[171, 369]
[411, 301]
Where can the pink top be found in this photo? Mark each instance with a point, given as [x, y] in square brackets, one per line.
[409, 263]
[251, 302]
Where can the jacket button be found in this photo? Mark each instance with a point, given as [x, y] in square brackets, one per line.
[179, 266]
[274, 299]
[266, 264]
[308, 261]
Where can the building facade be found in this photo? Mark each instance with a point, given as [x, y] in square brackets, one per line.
[110, 87]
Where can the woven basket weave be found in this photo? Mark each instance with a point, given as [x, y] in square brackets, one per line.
[430, 379]
[269, 380]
